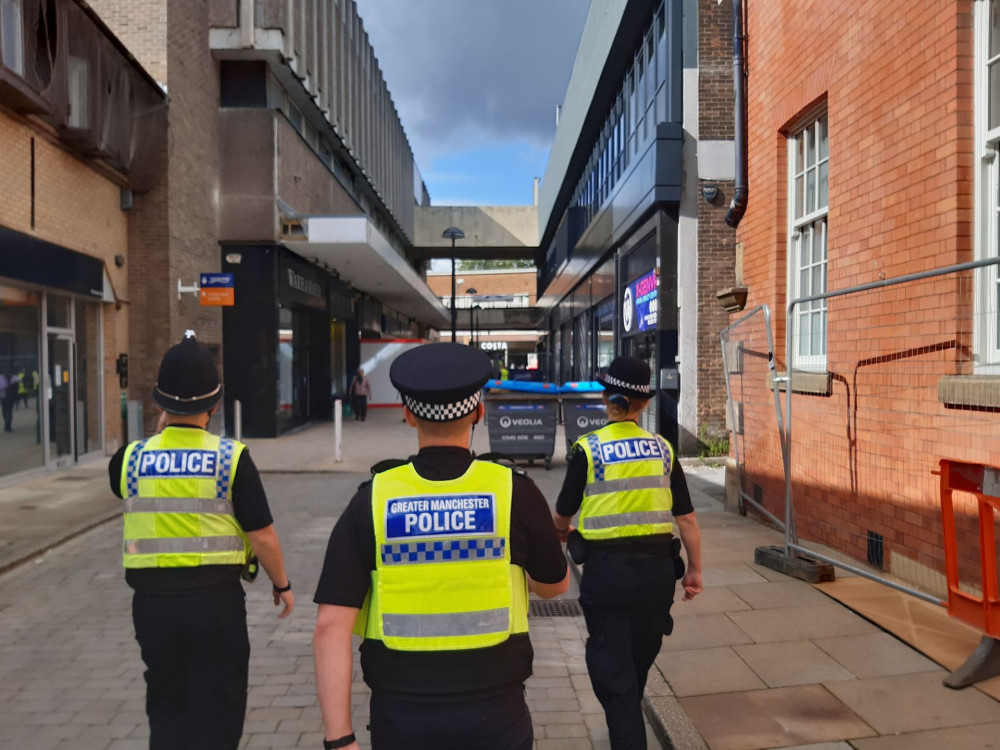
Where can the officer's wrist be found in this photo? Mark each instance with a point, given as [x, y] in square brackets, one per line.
[281, 589]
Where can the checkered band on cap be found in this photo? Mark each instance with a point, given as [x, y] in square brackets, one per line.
[611, 380]
[442, 412]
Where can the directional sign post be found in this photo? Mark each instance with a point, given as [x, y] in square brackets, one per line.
[217, 290]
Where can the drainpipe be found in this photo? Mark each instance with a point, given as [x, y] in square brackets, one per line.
[741, 193]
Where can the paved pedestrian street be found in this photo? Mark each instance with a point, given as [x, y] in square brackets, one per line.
[71, 676]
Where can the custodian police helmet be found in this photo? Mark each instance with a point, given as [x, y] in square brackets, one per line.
[441, 382]
[188, 382]
[628, 376]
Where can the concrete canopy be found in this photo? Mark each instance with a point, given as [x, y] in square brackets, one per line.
[363, 257]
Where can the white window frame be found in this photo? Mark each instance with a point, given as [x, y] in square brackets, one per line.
[12, 35]
[809, 319]
[986, 306]
[78, 92]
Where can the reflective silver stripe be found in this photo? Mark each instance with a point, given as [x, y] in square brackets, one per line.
[181, 545]
[178, 505]
[628, 519]
[629, 483]
[451, 624]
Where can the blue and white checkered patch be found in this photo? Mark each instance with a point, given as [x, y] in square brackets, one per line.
[595, 452]
[131, 473]
[226, 449]
[451, 550]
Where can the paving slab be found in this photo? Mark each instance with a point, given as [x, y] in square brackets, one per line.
[703, 631]
[707, 670]
[798, 623]
[977, 737]
[913, 703]
[781, 717]
[776, 594]
[791, 663]
[875, 655]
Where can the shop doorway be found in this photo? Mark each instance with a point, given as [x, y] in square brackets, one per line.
[643, 346]
[60, 393]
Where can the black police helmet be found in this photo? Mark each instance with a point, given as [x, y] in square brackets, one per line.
[188, 382]
[628, 376]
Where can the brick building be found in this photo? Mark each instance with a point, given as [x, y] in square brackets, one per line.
[633, 246]
[288, 167]
[872, 156]
[81, 127]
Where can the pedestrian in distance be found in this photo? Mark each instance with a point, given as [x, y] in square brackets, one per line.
[196, 519]
[360, 391]
[8, 398]
[431, 564]
[629, 489]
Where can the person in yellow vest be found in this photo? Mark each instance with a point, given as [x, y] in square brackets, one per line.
[431, 563]
[195, 516]
[504, 372]
[630, 491]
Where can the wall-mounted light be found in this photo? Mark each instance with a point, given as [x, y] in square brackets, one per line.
[709, 192]
[119, 260]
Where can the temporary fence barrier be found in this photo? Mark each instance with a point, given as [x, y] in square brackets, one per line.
[753, 413]
[882, 391]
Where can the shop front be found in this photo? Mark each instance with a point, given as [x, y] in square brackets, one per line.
[51, 344]
[286, 341]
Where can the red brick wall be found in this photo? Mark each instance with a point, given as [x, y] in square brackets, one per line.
[898, 88]
[485, 283]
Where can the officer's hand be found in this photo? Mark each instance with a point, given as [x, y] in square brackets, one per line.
[564, 535]
[286, 597]
[692, 584]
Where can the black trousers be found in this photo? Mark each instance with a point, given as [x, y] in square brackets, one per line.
[626, 600]
[501, 723]
[197, 655]
[360, 404]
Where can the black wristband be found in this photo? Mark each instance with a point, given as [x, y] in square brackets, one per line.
[341, 742]
[282, 591]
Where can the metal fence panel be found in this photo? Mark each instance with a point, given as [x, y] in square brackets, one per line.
[865, 445]
[753, 413]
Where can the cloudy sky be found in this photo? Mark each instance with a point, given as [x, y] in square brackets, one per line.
[476, 84]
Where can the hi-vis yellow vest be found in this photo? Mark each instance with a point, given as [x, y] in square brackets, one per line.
[443, 578]
[628, 483]
[177, 489]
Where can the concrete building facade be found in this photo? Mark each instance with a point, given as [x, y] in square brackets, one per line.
[290, 170]
[81, 127]
[632, 249]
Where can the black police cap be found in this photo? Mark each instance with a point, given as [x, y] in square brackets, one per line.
[627, 375]
[441, 382]
[188, 382]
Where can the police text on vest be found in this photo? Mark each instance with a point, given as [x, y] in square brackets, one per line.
[630, 449]
[177, 463]
[440, 516]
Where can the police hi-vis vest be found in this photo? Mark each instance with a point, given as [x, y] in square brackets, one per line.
[628, 483]
[177, 487]
[443, 578]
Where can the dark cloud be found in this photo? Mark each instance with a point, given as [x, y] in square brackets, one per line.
[465, 73]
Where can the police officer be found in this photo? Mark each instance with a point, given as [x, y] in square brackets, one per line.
[195, 511]
[630, 491]
[431, 563]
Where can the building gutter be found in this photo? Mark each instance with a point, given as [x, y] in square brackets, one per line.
[741, 192]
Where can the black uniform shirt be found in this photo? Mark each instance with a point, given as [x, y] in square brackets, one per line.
[252, 513]
[441, 676]
[571, 496]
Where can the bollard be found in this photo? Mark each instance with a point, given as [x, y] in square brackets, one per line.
[238, 420]
[337, 404]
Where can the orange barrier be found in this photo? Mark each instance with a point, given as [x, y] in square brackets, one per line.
[982, 612]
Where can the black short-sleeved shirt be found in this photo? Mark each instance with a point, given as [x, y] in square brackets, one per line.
[252, 513]
[571, 496]
[441, 676]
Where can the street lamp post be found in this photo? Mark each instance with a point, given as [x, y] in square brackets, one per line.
[453, 233]
[472, 323]
[477, 333]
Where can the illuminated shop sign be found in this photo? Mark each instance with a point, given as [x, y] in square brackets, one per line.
[640, 304]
